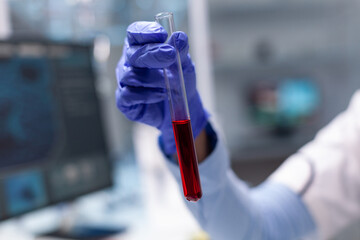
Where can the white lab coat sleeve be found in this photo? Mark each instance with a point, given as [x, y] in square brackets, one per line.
[229, 209]
[326, 172]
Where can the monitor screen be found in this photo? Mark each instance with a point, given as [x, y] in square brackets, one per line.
[52, 144]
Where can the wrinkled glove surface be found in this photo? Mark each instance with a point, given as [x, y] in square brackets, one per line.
[141, 94]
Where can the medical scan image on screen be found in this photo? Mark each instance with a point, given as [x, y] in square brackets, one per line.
[28, 124]
[52, 146]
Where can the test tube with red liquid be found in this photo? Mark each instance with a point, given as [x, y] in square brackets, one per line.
[180, 118]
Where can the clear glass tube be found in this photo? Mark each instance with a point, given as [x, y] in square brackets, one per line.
[175, 86]
[180, 117]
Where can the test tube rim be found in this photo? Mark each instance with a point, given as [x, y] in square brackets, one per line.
[162, 15]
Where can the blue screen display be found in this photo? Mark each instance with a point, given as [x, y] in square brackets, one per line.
[24, 192]
[50, 119]
[27, 110]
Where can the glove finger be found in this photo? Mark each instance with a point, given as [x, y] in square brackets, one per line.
[139, 33]
[151, 114]
[152, 55]
[141, 77]
[180, 41]
[130, 96]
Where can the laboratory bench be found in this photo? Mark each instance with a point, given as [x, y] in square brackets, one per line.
[133, 207]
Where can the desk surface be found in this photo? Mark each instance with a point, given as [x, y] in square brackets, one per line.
[133, 203]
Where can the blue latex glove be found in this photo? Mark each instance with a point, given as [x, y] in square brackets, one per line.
[141, 93]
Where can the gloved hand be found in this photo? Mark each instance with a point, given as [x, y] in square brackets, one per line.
[141, 93]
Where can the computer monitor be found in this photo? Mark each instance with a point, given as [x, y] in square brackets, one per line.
[52, 143]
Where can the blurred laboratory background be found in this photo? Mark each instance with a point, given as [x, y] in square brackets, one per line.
[271, 72]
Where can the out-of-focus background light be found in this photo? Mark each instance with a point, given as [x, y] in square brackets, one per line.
[272, 73]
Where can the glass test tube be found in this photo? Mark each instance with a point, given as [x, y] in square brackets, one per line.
[180, 117]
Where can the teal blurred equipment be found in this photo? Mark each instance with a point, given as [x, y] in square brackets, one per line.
[52, 143]
[283, 106]
[297, 99]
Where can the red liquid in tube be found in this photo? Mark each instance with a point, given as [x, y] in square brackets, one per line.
[187, 160]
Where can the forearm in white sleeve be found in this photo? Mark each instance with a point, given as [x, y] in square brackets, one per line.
[229, 209]
[326, 172]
